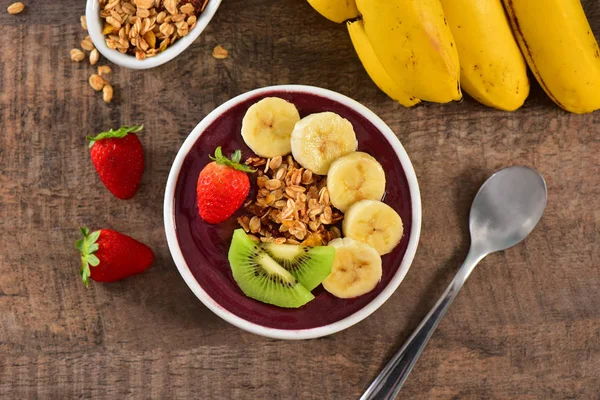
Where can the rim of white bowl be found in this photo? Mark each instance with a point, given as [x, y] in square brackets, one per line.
[94, 25]
[311, 333]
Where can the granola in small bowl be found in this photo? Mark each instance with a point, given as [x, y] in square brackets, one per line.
[142, 34]
[144, 28]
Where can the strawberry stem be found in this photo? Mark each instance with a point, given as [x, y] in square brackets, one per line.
[118, 134]
[87, 247]
[234, 162]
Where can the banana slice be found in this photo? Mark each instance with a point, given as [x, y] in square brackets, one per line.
[374, 223]
[354, 177]
[319, 139]
[268, 125]
[356, 269]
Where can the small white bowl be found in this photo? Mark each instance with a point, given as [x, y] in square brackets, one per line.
[95, 24]
[289, 334]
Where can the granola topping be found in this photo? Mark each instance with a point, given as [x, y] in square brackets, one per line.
[291, 205]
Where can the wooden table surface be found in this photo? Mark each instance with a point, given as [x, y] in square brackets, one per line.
[526, 325]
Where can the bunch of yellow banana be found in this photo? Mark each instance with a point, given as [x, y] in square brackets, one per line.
[411, 49]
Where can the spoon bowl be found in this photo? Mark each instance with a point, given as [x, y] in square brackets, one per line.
[507, 208]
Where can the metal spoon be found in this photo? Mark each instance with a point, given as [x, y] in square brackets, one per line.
[505, 210]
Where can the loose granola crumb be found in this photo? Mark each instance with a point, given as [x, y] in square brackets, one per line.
[107, 93]
[220, 53]
[94, 57]
[16, 8]
[104, 69]
[96, 82]
[77, 55]
[87, 44]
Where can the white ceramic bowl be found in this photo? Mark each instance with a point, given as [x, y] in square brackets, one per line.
[170, 230]
[94, 23]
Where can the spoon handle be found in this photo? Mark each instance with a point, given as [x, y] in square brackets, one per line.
[389, 382]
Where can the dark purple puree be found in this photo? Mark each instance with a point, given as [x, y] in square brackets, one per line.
[205, 246]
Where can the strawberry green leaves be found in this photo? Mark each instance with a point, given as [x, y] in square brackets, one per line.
[234, 162]
[87, 247]
[119, 133]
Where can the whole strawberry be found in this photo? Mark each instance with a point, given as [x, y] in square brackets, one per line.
[119, 160]
[222, 187]
[108, 256]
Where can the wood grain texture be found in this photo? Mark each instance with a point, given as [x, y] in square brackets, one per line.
[526, 326]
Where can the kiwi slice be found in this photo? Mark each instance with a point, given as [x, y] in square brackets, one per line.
[309, 265]
[262, 278]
